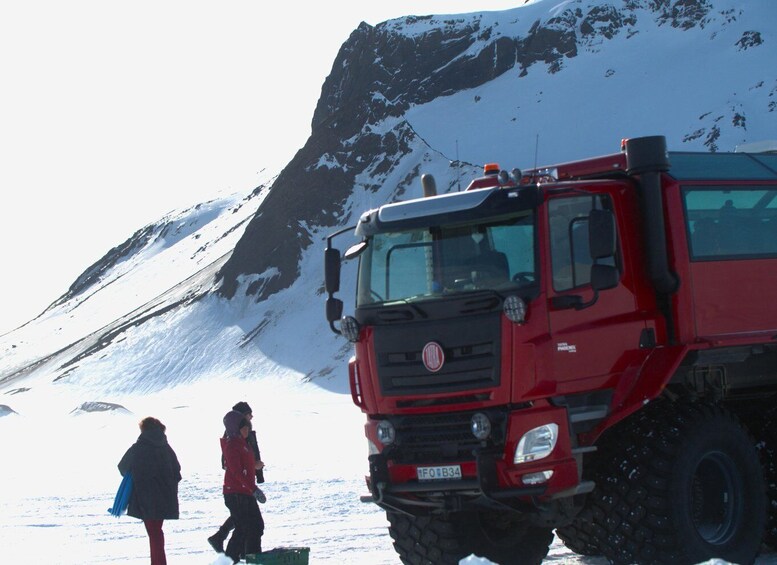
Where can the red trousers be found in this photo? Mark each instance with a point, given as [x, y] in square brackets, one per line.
[156, 539]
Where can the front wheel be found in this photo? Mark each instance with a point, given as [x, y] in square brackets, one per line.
[502, 537]
[578, 536]
[506, 538]
[686, 487]
[425, 540]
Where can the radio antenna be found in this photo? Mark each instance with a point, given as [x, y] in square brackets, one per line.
[536, 150]
[458, 166]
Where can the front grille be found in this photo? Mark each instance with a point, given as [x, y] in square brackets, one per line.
[441, 438]
[471, 346]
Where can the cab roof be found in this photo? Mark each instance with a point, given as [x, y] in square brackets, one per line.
[722, 166]
[683, 166]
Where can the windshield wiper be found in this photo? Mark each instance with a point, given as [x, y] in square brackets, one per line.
[396, 313]
[415, 307]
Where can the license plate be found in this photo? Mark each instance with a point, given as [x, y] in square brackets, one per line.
[441, 473]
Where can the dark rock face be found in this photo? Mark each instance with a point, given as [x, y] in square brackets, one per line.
[378, 74]
[605, 21]
[166, 232]
[683, 14]
[750, 39]
[359, 93]
[92, 275]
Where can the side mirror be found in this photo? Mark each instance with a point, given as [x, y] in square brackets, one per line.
[334, 310]
[332, 270]
[604, 277]
[601, 234]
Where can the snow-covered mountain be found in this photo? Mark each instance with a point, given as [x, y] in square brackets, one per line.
[233, 288]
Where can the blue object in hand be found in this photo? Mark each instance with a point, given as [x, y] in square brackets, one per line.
[121, 500]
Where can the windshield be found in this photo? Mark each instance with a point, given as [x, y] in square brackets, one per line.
[444, 260]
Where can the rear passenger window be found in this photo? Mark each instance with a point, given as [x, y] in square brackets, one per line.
[731, 222]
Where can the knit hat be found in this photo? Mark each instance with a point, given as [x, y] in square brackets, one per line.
[243, 408]
[233, 421]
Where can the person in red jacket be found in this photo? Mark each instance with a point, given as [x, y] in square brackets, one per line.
[218, 539]
[240, 490]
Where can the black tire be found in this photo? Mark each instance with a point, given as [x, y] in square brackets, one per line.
[580, 536]
[686, 486]
[504, 538]
[767, 434]
[425, 540]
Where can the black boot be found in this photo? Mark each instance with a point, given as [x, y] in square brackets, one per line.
[216, 543]
[217, 540]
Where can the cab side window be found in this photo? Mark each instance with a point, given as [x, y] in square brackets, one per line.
[731, 222]
[569, 251]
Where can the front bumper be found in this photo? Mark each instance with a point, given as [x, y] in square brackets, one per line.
[481, 491]
[489, 476]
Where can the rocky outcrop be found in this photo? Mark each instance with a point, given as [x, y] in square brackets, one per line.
[378, 74]
[92, 275]
[91, 407]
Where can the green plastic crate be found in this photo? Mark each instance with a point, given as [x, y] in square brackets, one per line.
[281, 556]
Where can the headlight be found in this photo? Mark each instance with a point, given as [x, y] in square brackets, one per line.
[350, 328]
[480, 426]
[515, 309]
[386, 432]
[536, 444]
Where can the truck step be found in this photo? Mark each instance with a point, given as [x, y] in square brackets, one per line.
[582, 488]
[587, 413]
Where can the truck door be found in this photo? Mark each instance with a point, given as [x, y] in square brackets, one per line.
[589, 345]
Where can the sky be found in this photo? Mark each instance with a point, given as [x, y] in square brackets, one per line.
[113, 114]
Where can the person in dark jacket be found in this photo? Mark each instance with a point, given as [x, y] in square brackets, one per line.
[155, 475]
[240, 490]
[217, 540]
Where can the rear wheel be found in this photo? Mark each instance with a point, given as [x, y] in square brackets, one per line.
[686, 487]
[768, 449]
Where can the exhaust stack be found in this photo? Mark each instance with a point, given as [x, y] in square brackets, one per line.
[429, 184]
[646, 158]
